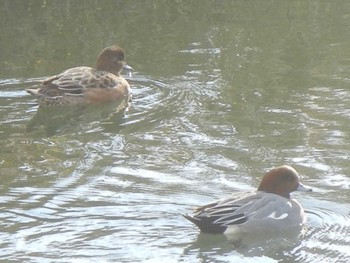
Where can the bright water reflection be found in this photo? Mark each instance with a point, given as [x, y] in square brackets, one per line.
[221, 93]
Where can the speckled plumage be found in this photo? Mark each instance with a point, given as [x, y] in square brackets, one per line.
[86, 85]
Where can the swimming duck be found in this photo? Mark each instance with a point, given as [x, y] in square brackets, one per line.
[270, 208]
[86, 85]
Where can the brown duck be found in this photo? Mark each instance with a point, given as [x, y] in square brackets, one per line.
[86, 85]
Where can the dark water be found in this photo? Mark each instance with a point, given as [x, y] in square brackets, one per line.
[222, 91]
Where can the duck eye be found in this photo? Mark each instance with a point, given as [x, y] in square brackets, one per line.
[118, 58]
[288, 177]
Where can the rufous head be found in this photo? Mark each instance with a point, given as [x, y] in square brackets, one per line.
[282, 181]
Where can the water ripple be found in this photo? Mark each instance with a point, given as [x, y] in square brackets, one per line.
[327, 234]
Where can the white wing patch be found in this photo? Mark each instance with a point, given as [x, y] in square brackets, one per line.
[274, 216]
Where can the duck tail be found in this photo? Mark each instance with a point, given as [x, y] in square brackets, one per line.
[34, 92]
[206, 225]
[191, 219]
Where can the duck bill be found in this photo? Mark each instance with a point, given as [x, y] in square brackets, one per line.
[128, 69]
[303, 188]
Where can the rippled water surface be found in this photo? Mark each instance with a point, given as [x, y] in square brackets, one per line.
[222, 92]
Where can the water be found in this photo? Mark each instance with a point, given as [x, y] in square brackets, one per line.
[222, 91]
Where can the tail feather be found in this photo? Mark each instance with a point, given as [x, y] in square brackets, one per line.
[34, 92]
[206, 224]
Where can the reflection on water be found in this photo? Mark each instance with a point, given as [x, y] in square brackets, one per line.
[65, 120]
[256, 248]
[222, 92]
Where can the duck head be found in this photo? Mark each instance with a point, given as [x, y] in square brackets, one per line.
[282, 181]
[112, 59]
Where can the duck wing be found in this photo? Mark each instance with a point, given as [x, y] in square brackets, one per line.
[73, 81]
[238, 209]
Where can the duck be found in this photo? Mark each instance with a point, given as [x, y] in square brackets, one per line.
[270, 208]
[86, 85]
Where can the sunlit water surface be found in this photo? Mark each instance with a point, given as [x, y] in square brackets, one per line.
[87, 184]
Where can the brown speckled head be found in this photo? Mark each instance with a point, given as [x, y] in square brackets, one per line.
[111, 59]
[282, 181]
